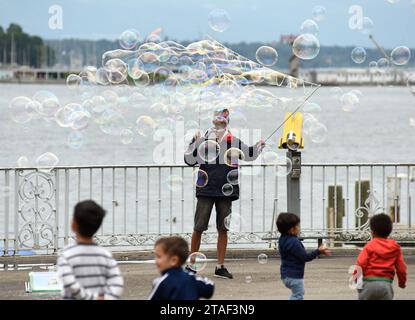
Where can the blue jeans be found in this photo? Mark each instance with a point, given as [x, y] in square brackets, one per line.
[296, 286]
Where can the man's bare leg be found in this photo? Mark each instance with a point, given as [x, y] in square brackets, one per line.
[222, 244]
[196, 238]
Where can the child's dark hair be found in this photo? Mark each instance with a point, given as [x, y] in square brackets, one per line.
[286, 221]
[174, 246]
[381, 225]
[88, 215]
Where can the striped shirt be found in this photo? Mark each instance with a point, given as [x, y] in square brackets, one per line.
[87, 271]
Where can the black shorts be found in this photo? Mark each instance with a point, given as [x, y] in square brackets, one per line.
[204, 207]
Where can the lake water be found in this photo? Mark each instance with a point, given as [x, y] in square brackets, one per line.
[377, 131]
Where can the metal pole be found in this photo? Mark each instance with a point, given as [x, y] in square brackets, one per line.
[293, 183]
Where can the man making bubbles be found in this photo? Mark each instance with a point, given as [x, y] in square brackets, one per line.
[217, 154]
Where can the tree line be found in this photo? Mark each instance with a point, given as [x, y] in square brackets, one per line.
[18, 47]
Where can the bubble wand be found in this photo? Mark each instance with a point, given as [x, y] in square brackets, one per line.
[293, 113]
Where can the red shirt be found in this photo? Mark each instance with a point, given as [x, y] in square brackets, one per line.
[380, 258]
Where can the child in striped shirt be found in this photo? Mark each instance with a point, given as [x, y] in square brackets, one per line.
[86, 270]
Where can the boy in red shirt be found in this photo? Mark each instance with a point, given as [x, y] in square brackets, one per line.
[379, 260]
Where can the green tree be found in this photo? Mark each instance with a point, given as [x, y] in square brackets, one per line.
[24, 49]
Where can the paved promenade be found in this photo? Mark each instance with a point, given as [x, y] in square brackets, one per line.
[325, 279]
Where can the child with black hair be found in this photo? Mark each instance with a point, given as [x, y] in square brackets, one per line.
[175, 283]
[379, 260]
[293, 254]
[86, 270]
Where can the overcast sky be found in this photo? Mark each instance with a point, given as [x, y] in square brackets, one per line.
[251, 20]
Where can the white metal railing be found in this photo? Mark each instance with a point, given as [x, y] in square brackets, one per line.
[36, 206]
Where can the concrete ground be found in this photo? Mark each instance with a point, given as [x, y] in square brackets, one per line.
[325, 279]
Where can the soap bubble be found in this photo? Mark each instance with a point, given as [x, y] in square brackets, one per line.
[283, 166]
[19, 109]
[349, 101]
[227, 189]
[63, 115]
[233, 177]
[209, 150]
[129, 39]
[373, 66]
[410, 82]
[75, 140]
[126, 136]
[112, 122]
[43, 95]
[336, 92]
[262, 258]
[358, 55]
[319, 13]
[200, 178]
[267, 56]
[174, 182]
[197, 262]
[49, 107]
[117, 70]
[308, 122]
[234, 222]
[23, 162]
[143, 80]
[393, 1]
[79, 120]
[383, 64]
[306, 46]
[400, 55]
[367, 25]
[312, 107]
[145, 126]
[309, 26]
[102, 76]
[47, 161]
[270, 157]
[88, 75]
[232, 156]
[318, 133]
[219, 20]
[153, 37]
[73, 81]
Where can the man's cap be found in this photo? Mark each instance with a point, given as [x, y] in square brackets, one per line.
[221, 114]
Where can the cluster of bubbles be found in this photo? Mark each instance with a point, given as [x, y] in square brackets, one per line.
[306, 46]
[349, 100]
[399, 56]
[150, 85]
[44, 163]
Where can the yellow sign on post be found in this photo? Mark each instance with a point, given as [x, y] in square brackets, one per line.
[292, 135]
